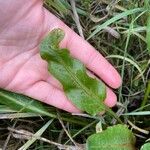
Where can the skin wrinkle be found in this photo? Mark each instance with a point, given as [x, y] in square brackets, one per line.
[50, 98]
[44, 26]
[31, 85]
[10, 42]
[36, 81]
[91, 58]
[27, 37]
[15, 55]
[18, 17]
[54, 82]
[37, 78]
[49, 94]
[30, 48]
[18, 69]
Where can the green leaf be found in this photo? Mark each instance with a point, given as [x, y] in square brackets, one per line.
[86, 93]
[118, 137]
[57, 37]
[21, 103]
[146, 146]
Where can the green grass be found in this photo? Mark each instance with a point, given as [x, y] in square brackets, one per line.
[129, 53]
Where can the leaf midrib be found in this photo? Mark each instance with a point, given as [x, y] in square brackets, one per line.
[78, 82]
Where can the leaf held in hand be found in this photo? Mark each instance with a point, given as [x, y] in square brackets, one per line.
[85, 92]
[118, 137]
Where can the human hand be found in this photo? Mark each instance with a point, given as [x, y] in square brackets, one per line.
[23, 24]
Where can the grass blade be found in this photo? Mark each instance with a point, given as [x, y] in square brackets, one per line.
[36, 136]
[115, 18]
[140, 113]
[131, 62]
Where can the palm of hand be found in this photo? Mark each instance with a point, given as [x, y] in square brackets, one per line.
[21, 67]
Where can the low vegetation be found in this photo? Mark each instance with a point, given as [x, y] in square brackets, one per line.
[120, 30]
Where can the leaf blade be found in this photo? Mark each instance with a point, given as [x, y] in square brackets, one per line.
[22, 103]
[146, 146]
[72, 74]
[118, 137]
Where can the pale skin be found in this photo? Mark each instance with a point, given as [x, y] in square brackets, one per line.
[23, 24]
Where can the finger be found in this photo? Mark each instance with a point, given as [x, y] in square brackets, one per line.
[53, 81]
[83, 51]
[46, 93]
[111, 98]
